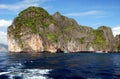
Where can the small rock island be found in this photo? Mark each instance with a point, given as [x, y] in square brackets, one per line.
[35, 30]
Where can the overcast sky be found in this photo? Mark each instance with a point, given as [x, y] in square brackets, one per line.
[92, 13]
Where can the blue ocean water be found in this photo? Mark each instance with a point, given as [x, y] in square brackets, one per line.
[60, 66]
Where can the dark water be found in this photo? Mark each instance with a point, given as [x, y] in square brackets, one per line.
[60, 66]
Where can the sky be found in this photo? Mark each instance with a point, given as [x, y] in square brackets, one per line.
[92, 13]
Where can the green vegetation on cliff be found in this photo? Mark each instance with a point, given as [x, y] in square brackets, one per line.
[99, 39]
[118, 47]
[58, 30]
[117, 39]
[52, 37]
[33, 18]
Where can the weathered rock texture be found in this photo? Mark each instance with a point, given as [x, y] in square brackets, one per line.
[35, 30]
[117, 43]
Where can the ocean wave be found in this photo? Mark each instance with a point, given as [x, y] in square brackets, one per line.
[2, 73]
[16, 71]
[27, 73]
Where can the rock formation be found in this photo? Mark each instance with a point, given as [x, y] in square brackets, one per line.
[117, 43]
[35, 30]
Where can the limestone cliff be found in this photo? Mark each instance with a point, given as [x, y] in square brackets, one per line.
[117, 43]
[35, 30]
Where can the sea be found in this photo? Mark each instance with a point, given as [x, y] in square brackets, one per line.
[59, 66]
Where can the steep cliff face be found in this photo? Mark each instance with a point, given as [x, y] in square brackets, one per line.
[117, 43]
[25, 43]
[35, 30]
[81, 38]
[108, 37]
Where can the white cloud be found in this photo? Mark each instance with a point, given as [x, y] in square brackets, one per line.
[22, 5]
[3, 37]
[116, 30]
[87, 13]
[5, 23]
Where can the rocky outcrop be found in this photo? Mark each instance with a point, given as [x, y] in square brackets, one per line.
[109, 38]
[35, 30]
[25, 43]
[117, 43]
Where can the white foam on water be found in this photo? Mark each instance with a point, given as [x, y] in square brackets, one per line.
[15, 70]
[29, 73]
[15, 66]
[2, 73]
